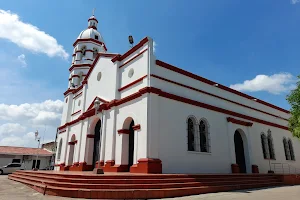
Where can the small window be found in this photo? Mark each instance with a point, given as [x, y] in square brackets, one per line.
[16, 161]
[79, 102]
[96, 37]
[130, 73]
[99, 76]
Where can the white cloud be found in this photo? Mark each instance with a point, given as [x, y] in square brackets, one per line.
[274, 84]
[26, 140]
[11, 128]
[18, 119]
[28, 36]
[295, 1]
[21, 59]
[47, 112]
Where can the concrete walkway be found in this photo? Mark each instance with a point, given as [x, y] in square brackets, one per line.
[11, 190]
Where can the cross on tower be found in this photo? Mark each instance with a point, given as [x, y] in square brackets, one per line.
[94, 11]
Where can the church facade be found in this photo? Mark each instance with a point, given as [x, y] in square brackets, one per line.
[134, 113]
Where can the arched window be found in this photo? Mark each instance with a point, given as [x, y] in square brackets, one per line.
[95, 52]
[80, 77]
[286, 149]
[270, 145]
[191, 133]
[264, 145]
[290, 144]
[83, 52]
[204, 136]
[59, 149]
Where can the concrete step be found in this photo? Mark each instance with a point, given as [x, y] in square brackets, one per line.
[136, 193]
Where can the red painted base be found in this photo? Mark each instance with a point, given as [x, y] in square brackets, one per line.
[147, 165]
[235, 168]
[255, 169]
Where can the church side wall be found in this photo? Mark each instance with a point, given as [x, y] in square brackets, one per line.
[180, 78]
[173, 143]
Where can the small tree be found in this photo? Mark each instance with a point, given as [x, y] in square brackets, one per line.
[294, 100]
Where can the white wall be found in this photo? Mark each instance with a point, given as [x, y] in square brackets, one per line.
[44, 160]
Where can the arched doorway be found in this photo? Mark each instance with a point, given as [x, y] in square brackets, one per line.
[97, 143]
[71, 150]
[239, 151]
[131, 145]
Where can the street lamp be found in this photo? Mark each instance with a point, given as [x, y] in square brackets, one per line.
[37, 138]
[97, 103]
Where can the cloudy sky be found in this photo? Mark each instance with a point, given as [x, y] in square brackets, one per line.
[251, 46]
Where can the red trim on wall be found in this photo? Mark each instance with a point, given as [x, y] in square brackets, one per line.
[79, 65]
[92, 104]
[90, 40]
[90, 135]
[133, 49]
[71, 143]
[93, 19]
[204, 92]
[123, 131]
[137, 127]
[76, 112]
[209, 82]
[62, 131]
[78, 51]
[77, 95]
[73, 54]
[88, 59]
[134, 57]
[93, 27]
[142, 91]
[240, 122]
[89, 50]
[132, 83]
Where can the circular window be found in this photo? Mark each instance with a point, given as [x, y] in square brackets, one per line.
[66, 100]
[99, 76]
[79, 103]
[130, 73]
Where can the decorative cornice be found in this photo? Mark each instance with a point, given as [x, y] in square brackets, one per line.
[240, 122]
[134, 57]
[123, 131]
[174, 97]
[132, 83]
[128, 53]
[137, 127]
[209, 82]
[90, 40]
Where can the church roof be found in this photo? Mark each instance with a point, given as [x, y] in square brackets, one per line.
[9, 150]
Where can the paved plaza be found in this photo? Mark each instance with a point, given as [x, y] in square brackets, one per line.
[11, 190]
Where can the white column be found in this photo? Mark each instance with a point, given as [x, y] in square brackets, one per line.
[136, 148]
[231, 147]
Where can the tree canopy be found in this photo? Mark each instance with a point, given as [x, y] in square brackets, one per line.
[294, 100]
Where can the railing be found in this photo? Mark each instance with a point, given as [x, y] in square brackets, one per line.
[284, 168]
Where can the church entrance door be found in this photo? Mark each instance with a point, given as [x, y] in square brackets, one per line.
[131, 145]
[239, 151]
[97, 143]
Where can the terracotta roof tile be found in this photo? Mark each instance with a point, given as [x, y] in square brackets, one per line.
[23, 151]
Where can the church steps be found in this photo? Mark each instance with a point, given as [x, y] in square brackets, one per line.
[136, 193]
[141, 185]
[104, 180]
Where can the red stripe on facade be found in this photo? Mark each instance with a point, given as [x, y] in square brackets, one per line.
[76, 112]
[77, 95]
[137, 127]
[142, 91]
[90, 40]
[79, 65]
[132, 83]
[204, 92]
[123, 131]
[132, 50]
[240, 122]
[133, 58]
[209, 82]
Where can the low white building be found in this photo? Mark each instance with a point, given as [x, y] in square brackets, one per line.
[25, 155]
[157, 118]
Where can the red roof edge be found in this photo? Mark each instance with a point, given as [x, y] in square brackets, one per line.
[133, 49]
[209, 82]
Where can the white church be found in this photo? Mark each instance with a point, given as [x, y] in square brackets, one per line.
[133, 113]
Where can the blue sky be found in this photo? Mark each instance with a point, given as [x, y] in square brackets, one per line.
[229, 42]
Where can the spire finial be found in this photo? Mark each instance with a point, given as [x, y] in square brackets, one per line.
[94, 11]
